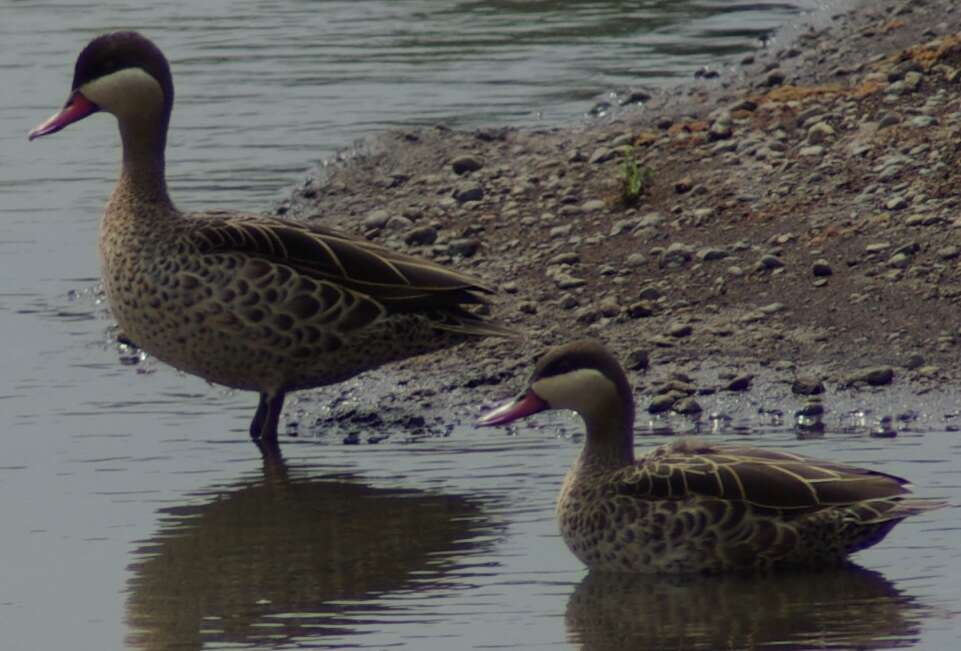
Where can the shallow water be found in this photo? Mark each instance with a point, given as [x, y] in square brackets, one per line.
[136, 513]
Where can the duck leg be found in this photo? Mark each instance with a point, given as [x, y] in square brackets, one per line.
[264, 424]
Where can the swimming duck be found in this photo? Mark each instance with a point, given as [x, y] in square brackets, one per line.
[247, 301]
[690, 505]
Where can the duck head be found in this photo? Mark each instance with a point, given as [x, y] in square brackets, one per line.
[584, 377]
[122, 73]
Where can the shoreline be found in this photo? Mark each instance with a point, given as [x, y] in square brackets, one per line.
[799, 215]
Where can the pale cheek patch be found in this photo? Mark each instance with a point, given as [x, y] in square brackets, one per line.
[581, 390]
[126, 93]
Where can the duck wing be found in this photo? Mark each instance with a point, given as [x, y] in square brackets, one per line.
[766, 479]
[399, 283]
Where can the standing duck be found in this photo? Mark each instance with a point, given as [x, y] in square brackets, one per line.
[247, 301]
[692, 506]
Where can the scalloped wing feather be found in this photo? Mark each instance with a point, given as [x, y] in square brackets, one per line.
[400, 281]
[763, 478]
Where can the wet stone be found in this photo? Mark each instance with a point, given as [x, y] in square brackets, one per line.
[807, 386]
[811, 409]
[662, 403]
[740, 383]
[687, 406]
[876, 376]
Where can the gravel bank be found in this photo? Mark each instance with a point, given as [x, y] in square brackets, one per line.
[798, 227]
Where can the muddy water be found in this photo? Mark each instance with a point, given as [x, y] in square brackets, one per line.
[135, 513]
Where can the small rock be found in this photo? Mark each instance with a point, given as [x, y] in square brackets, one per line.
[567, 302]
[811, 409]
[680, 330]
[609, 308]
[586, 315]
[770, 262]
[662, 403]
[602, 155]
[376, 220]
[949, 252]
[466, 163]
[740, 383]
[807, 386]
[421, 235]
[593, 205]
[775, 77]
[896, 203]
[638, 360]
[684, 185]
[567, 257]
[687, 406]
[466, 246]
[708, 254]
[811, 150]
[820, 133]
[821, 268]
[640, 310]
[472, 192]
[875, 376]
[565, 281]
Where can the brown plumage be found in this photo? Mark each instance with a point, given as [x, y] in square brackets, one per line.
[693, 506]
[247, 301]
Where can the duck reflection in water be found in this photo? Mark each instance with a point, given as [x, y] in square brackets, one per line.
[270, 559]
[848, 607]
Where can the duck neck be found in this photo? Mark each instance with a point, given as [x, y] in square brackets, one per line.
[143, 173]
[610, 432]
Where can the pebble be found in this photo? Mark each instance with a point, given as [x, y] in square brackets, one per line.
[421, 235]
[466, 163]
[472, 192]
[565, 281]
[602, 155]
[466, 246]
[568, 302]
[875, 376]
[812, 150]
[662, 403]
[821, 268]
[708, 254]
[949, 252]
[811, 409]
[680, 330]
[896, 203]
[376, 219]
[770, 262]
[687, 406]
[807, 386]
[819, 133]
[593, 205]
[676, 255]
[640, 310]
[609, 308]
[684, 185]
[740, 383]
[775, 77]
[638, 360]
